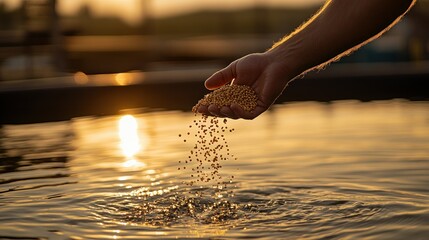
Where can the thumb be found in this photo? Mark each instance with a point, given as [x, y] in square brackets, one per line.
[221, 77]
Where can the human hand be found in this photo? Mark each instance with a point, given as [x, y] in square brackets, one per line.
[261, 72]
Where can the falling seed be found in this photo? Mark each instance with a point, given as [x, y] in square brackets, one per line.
[209, 149]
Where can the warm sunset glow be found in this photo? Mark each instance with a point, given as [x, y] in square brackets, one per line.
[133, 163]
[123, 79]
[80, 78]
[128, 10]
[133, 11]
[129, 140]
[162, 8]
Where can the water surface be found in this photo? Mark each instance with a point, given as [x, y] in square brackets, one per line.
[344, 170]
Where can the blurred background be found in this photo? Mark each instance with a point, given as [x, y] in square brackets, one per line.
[76, 44]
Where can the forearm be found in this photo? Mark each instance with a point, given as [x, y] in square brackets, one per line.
[340, 27]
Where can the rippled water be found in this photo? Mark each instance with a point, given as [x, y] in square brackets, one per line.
[345, 170]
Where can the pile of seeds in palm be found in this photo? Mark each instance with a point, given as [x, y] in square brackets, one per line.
[210, 147]
[226, 95]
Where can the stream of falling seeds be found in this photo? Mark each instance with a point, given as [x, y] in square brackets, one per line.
[209, 151]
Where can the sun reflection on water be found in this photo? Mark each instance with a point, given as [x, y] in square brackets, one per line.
[130, 141]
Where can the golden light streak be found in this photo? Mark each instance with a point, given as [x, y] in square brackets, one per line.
[130, 141]
[123, 79]
[80, 78]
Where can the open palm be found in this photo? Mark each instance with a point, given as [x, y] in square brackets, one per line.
[264, 76]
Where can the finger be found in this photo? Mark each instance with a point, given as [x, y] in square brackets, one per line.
[221, 77]
[240, 113]
[227, 112]
[214, 110]
[203, 110]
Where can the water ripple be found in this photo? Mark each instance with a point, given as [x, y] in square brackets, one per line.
[247, 207]
[167, 208]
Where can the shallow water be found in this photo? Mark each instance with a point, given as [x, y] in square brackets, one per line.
[344, 170]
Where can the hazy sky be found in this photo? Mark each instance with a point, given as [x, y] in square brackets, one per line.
[132, 11]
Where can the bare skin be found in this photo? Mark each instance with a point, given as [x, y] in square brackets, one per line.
[340, 27]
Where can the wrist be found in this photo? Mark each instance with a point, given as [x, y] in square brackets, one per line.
[286, 60]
